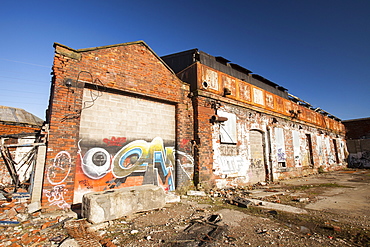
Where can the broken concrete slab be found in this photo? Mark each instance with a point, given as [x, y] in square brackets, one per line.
[108, 205]
[277, 206]
[196, 193]
[263, 193]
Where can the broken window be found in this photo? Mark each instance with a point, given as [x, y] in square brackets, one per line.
[228, 128]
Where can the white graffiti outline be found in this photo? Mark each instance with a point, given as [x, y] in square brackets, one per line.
[186, 165]
[56, 196]
[59, 166]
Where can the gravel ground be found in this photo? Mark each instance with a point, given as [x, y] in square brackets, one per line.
[213, 220]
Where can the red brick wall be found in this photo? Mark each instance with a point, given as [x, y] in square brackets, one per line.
[203, 136]
[357, 128]
[128, 68]
[6, 129]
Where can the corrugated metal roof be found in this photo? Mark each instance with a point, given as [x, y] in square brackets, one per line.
[17, 115]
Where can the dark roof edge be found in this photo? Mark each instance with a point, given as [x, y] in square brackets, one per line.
[140, 42]
[357, 119]
[181, 52]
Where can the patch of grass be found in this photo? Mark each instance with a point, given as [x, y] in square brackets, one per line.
[332, 185]
[321, 169]
[325, 185]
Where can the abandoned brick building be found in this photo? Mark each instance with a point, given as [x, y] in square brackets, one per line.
[121, 116]
[19, 129]
[358, 142]
[249, 129]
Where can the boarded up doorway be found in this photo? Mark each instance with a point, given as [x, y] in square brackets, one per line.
[257, 148]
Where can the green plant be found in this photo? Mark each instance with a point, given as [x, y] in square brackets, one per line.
[321, 169]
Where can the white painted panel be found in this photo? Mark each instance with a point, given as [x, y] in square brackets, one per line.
[280, 145]
[228, 128]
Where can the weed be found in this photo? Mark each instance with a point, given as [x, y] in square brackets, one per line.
[321, 169]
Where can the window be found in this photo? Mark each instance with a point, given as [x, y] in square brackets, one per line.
[280, 147]
[228, 128]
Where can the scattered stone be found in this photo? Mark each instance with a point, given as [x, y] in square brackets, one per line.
[70, 242]
[172, 197]
[241, 202]
[301, 199]
[196, 193]
[134, 231]
[305, 230]
[33, 207]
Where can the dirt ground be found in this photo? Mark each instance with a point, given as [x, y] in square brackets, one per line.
[337, 206]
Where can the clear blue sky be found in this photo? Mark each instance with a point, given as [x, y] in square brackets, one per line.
[318, 49]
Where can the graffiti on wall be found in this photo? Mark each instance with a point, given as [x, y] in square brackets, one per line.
[281, 155]
[115, 141]
[56, 174]
[359, 160]
[56, 196]
[136, 163]
[231, 166]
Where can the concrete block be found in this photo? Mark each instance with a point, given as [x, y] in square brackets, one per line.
[108, 205]
[33, 207]
[171, 197]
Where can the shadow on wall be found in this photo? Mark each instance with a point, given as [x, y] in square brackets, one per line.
[359, 160]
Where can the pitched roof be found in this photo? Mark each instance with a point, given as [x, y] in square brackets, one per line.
[20, 116]
[140, 42]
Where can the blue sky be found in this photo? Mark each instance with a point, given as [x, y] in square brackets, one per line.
[318, 49]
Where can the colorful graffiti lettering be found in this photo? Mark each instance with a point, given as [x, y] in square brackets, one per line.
[115, 141]
[56, 196]
[152, 161]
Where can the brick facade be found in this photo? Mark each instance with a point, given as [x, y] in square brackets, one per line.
[10, 129]
[119, 116]
[85, 81]
[358, 142]
[258, 110]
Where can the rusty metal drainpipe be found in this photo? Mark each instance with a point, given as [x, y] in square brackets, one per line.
[196, 141]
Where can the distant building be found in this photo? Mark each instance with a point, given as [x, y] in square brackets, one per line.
[121, 116]
[358, 142]
[17, 127]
